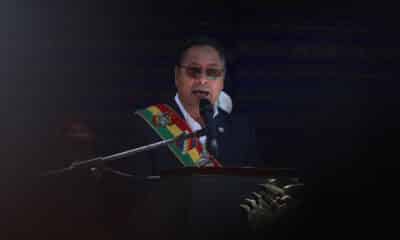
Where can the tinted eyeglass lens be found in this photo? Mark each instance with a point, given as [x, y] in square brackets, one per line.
[211, 73]
[194, 72]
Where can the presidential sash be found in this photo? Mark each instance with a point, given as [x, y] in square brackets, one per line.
[168, 124]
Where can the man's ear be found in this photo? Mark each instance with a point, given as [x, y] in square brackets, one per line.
[224, 79]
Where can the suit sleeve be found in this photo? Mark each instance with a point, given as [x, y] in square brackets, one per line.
[252, 147]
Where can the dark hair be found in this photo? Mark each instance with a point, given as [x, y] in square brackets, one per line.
[200, 41]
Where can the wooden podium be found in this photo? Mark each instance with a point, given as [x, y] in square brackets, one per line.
[199, 203]
[183, 203]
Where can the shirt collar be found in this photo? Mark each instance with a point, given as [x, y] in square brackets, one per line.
[187, 116]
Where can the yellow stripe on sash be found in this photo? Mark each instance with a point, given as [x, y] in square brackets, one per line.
[194, 154]
[154, 110]
[168, 124]
[174, 130]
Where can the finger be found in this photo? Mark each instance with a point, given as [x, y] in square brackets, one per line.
[295, 185]
[272, 180]
[252, 202]
[269, 200]
[285, 198]
[264, 204]
[295, 190]
[245, 208]
[267, 196]
[272, 188]
[257, 197]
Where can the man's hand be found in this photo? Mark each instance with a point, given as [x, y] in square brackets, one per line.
[272, 201]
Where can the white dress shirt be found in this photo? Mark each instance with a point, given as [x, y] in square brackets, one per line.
[193, 124]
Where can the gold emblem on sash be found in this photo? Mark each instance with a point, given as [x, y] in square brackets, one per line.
[162, 119]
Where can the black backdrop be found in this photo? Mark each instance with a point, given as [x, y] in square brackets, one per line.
[318, 80]
[310, 76]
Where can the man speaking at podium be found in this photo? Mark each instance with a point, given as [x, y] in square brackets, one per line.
[200, 103]
[200, 71]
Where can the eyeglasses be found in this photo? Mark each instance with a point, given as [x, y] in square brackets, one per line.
[196, 72]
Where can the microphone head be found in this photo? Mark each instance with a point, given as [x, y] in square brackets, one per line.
[206, 109]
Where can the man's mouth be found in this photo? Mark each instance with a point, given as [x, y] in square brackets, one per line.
[200, 93]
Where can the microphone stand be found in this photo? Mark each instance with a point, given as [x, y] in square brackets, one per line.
[94, 162]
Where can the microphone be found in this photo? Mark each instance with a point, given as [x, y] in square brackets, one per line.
[207, 112]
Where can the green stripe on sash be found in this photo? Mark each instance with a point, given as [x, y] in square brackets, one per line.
[165, 134]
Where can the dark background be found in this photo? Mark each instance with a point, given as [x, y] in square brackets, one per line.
[317, 79]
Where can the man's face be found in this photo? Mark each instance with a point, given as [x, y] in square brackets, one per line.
[193, 85]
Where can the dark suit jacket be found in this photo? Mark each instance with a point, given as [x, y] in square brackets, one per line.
[237, 144]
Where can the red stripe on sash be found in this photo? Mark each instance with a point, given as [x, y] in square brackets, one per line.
[179, 121]
[174, 118]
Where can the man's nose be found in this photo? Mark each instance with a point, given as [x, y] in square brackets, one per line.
[202, 78]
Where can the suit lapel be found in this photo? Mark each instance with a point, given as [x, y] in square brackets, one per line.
[223, 128]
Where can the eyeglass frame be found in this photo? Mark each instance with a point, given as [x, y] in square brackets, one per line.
[203, 70]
